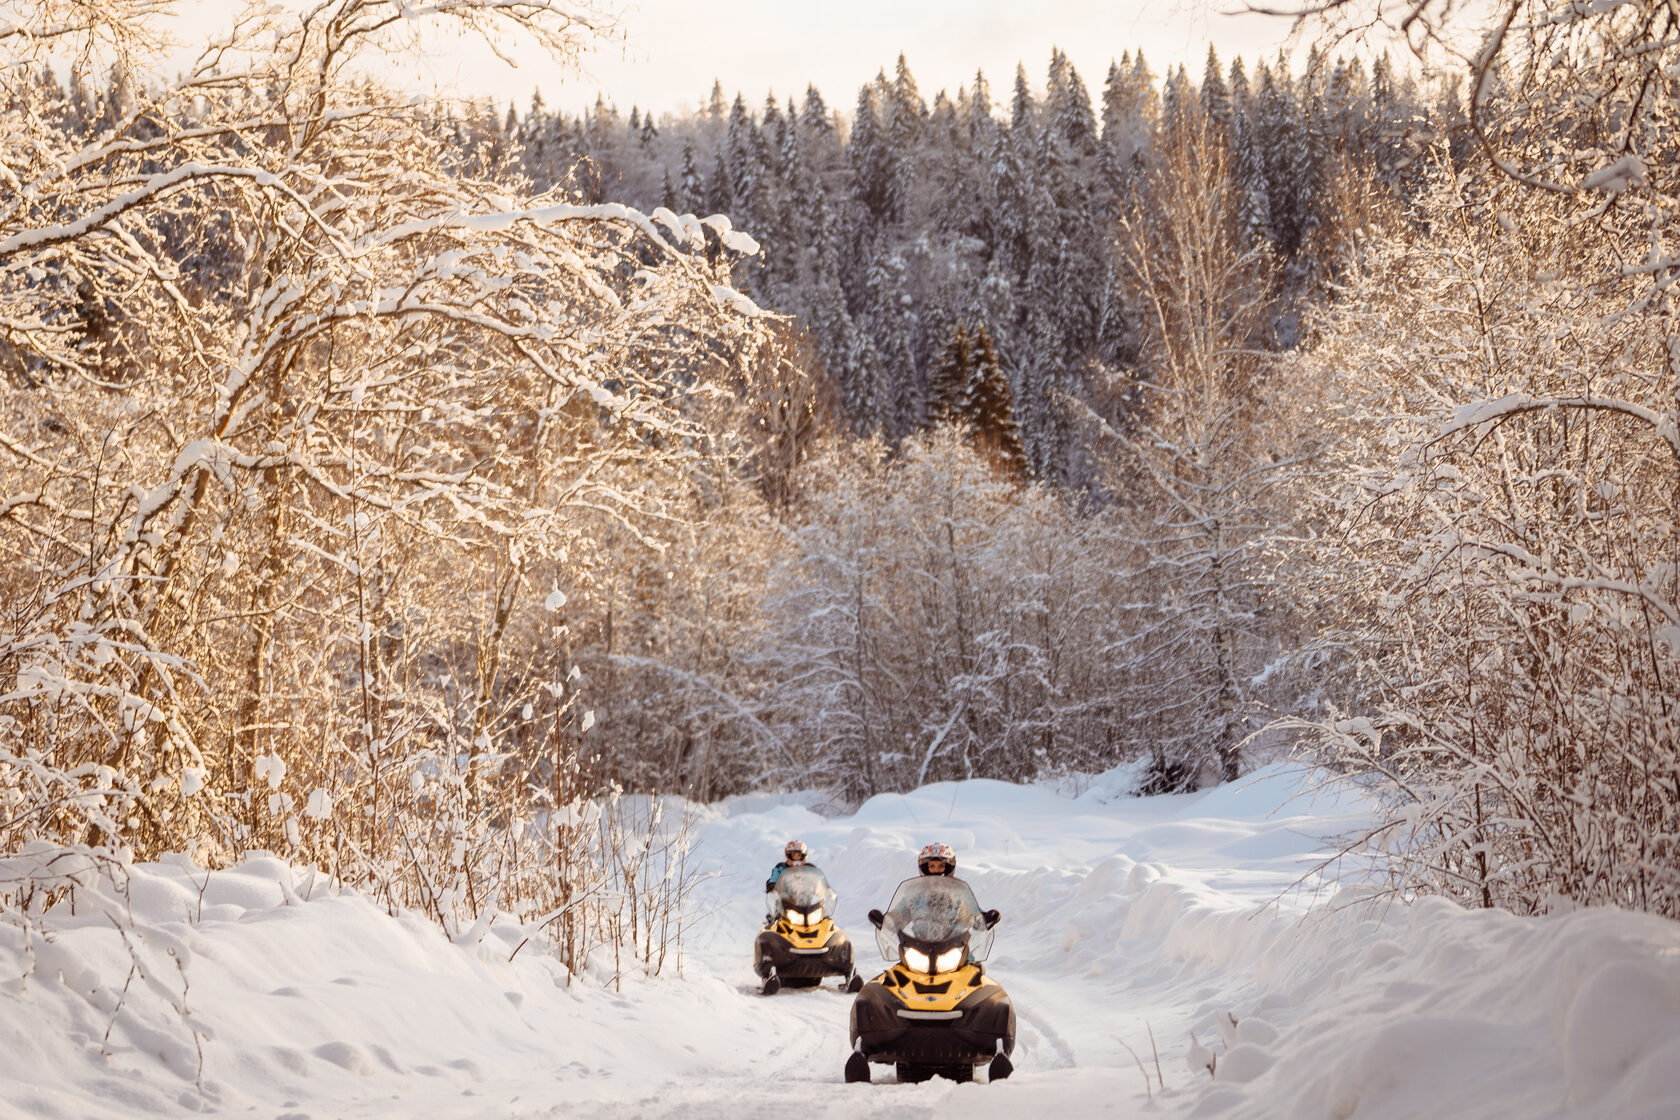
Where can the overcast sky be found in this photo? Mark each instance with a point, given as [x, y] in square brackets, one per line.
[667, 52]
[672, 49]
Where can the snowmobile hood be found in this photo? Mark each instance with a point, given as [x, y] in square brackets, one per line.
[804, 937]
[944, 992]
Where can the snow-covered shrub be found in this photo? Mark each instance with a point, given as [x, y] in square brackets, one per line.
[935, 619]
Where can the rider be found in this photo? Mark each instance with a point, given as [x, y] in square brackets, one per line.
[939, 859]
[796, 854]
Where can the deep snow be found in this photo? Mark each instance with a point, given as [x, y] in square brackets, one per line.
[1197, 919]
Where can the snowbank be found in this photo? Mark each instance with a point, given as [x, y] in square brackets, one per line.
[1179, 949]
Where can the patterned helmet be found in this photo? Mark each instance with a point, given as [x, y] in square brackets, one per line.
[941, 852]
[796, 851]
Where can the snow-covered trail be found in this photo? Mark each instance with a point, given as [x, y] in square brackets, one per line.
[1065, 872]
[1123, 918]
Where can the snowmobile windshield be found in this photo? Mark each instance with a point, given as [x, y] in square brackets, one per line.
[802, 890]
[934, 910]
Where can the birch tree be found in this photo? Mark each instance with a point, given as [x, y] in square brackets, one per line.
[1199, 473]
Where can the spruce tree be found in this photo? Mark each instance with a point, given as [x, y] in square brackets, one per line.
[1021, 106]
[1010, 190]
[720, 196]
[893, 327]
[1278, 136]
[989, 409]
[814, 116]
[948, 381]
[981, 123]
[1248, 173]
[1078, 121]
[691, 191]
[868, 156]
[906, 132]
[1113, 331]
[1216, 100]
[741, 161]
[773, 129]
[798, 194]
[1177, 102]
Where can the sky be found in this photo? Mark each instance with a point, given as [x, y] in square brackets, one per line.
[665, 54]
[671, 50]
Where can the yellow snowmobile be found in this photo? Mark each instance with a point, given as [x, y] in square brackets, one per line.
[800, 943]
[934, 1011]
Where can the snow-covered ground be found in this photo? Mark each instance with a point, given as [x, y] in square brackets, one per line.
[1178, 926]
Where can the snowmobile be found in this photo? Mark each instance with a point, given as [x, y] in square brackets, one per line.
[934, 1012]
[800, 943]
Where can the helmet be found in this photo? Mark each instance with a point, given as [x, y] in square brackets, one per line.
[796, 851]
[940, 852]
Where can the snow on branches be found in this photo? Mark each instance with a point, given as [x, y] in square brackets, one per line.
[1499, 575]
[307, 421]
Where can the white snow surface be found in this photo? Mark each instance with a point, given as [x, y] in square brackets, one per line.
[1196, 918]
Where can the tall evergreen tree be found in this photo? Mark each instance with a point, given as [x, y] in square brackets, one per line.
[892, 326]
[1113, 331]
[773, 133]
[948, 380]
[1179, 107]
[1216, 99]
[720, 194]
[1022, 108]
[1010, 189]
[981, 122]
[906, 121]
[1073, 118]
[989, 409]
[1248, 164]
[814, 115]
[691, 190]
[1278, 138]
[869, 157]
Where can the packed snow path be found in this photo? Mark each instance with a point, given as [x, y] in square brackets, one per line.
[1123, 918]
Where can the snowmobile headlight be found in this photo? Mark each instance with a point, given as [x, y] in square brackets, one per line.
[796, 918]
[948, 960]
[917, 960]
[814, 917]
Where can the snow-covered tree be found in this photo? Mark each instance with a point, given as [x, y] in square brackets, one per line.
[290, 539]
[1499, 571]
